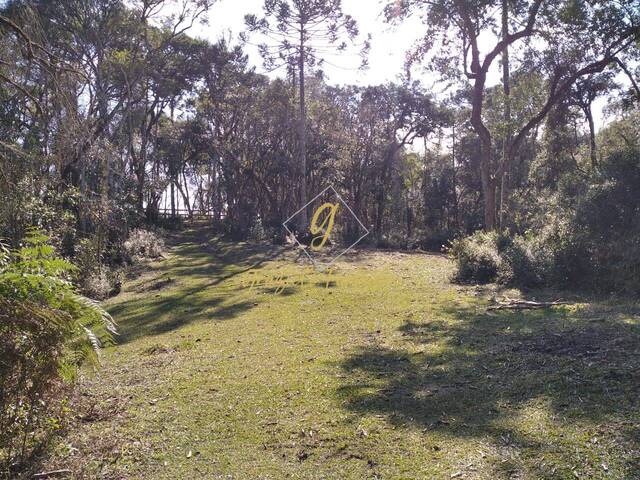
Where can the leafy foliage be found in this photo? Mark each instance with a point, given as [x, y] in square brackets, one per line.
[47, 331]
[589, 238]
[143, 244]
[477, 257]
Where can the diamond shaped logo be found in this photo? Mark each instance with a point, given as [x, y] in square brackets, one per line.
[331, 222]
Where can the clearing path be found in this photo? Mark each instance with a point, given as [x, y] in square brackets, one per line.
[383, 369]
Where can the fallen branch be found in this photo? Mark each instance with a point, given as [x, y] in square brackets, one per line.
[63, 471]
[524, 305]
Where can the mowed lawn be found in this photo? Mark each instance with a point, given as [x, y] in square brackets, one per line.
[383, 369]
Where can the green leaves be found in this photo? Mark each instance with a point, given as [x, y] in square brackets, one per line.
[304, 32]
[34, 274]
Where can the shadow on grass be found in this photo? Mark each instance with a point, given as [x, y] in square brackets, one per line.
[199, 265]
[478, 372]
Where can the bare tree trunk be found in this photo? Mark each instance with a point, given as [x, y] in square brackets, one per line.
[454, 180]
[140, 174]
[489, 186]
[173, 199]
[486, 152]
[83, 211]
[381, 194]
[592, 136]
[303, 223]
[506, 161]
[185, 193]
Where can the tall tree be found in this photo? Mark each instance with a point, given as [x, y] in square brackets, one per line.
[583, 94]
[506, 90]
[302, 34]
[549, 36]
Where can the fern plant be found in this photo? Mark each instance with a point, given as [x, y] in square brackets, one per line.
[47, 331]
[35, 274]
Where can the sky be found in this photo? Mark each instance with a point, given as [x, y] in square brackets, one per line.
[388, 45]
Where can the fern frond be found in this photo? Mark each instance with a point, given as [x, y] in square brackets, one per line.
[5, 254]
[95, 341]
[94, 306]
[34, 276]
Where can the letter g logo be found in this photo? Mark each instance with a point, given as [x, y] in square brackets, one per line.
[324, 229]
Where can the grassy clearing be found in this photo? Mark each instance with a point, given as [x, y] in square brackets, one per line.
[386, 371]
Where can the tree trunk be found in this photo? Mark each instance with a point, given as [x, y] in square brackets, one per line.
[140, 171]
[185, 193]
[173, 200]
[454, 180]
[379, 213]
[302, 126]
[592, 136]
[486, 152]
[489, 186]
[506, 161]
[83, 211]
[381, 195]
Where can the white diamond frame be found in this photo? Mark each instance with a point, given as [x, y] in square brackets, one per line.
[304, 249]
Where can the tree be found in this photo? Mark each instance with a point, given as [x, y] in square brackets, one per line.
[550, 36]
[583, 94]
[403, 113]
[302, 33]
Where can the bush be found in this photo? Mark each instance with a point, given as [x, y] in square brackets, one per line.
[607, 224]
[544, 258]
[91, 273]
[257, 232]
[523, 263]
[476, 257]
[143, 244]
[587, 238]
[47, 331]
[88, 257]
[97, 285]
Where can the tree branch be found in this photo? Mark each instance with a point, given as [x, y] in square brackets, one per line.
[559, 89]
[629, 76]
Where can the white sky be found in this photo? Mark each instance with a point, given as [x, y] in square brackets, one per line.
[388, 46]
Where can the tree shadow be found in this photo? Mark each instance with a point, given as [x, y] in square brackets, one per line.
[193, 275]
[474, 373]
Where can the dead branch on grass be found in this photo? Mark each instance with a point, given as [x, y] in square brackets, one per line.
[513, 304]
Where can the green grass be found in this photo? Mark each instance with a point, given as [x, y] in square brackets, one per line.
[385, 370]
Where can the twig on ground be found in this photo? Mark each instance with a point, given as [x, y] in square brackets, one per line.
[510, 304]
[52, 473]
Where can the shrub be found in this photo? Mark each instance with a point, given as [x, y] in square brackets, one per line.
[97, 273]
[476, 257]
[607, 224]
[257, 232]
[587, 237]
[547, 257]
[523, 263]
[143, 244]
[97, 285]
[47, 331]
[91, 273]
[88, 256]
